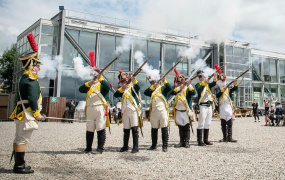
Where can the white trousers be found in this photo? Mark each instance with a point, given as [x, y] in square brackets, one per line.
[226, 111]
[158, 119]
[97, 116]
[205, 117]
[130, 118]
[21, 136]
[181, 118]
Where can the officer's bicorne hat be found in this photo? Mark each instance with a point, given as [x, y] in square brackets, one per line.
[123, 76]
[30, 59]
[179, 78]
[221, 76]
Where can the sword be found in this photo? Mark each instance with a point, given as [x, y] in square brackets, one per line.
[44, 117]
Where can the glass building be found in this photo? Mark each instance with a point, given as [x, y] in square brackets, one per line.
[73, 34]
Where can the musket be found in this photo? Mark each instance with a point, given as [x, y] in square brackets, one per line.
[216, 72]
[139, 69]
[169, 71]
[101, 72]
[238, 77]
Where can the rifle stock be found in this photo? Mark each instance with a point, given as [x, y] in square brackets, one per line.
[238, 77]
[180, 60]
[139, 69]
[101, 72]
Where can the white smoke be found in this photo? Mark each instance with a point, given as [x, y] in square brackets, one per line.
[125, 45]
[83, 72]
[190, 52]
[50, 66]
[208, 71]
[200, 64]
[148, 69]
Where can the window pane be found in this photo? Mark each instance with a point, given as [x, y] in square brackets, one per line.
[273, 71]
[69, 52]
[124, 61]
[47, 29]
[87, 41]
[107, 49]
[282, 71]
[153, 49]
[238, 51]
[229, 50]
[266, 74]
[74, 34]
[48, 40]
[139, 46]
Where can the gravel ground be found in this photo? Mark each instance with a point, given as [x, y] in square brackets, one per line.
[56, 153]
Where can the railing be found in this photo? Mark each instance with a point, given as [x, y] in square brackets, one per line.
[129, 27]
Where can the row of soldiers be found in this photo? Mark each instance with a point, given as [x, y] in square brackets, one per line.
[29, 106]
[96, 104]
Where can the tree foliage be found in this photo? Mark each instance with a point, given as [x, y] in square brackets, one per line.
[6, 68]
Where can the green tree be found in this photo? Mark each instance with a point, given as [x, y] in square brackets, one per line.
[6, 68]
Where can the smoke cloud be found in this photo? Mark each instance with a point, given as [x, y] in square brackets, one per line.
[50, 66]
[148, 69]
[83, 72]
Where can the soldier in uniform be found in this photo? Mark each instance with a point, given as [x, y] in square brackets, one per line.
[28, 97]
[158, 109]
[130, 109]
[226, 107]
[182, 111]
[97, 97]
[205, 102]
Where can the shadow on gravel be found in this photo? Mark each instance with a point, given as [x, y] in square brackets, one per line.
[134, 157]
[3, 170]
[56, 152]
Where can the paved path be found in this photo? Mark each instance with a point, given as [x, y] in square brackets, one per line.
[56, 153]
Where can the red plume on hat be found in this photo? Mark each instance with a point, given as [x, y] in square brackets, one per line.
[32, 42]
[176, 72]
[217, 67]
[92, 58]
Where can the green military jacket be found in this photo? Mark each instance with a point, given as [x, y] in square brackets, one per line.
[136, 87]
[164, 90]
[190, 92]
[30, 91]
[200, 87]
[104, 87]
[219, 93]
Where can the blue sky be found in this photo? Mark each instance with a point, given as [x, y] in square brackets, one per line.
[259, 22]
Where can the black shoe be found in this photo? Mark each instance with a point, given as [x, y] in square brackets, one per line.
[89, 141]
[154, 133]
[135, 133]
[164, 135]
[88, 150]
[206, 135]
[199, 137]
[126, 140]
[19, 166]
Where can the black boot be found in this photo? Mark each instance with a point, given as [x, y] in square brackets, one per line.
[101, 136]
[181, 135]
[206, 135]
[164, 134]
[20, 167]
[154, 132]
[135, 133]
[187, 135]
[126, 140]
[230, 131]
[89, 141]
[224, 130]
[199, 137]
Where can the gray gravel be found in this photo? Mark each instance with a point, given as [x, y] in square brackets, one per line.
[56, 153]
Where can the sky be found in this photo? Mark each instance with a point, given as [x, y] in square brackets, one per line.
[258, 22]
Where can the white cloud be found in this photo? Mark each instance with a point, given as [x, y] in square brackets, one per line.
[257, 21]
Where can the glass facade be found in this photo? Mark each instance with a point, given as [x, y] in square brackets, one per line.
[164, 55]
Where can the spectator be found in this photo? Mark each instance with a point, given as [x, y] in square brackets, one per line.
[267, 105]
[116, 113]
[278, 113]
[255, 110]
[71, 111]
[272, 115]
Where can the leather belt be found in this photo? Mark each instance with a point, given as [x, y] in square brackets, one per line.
[181, 110]
[23, 101]
[206, 104]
